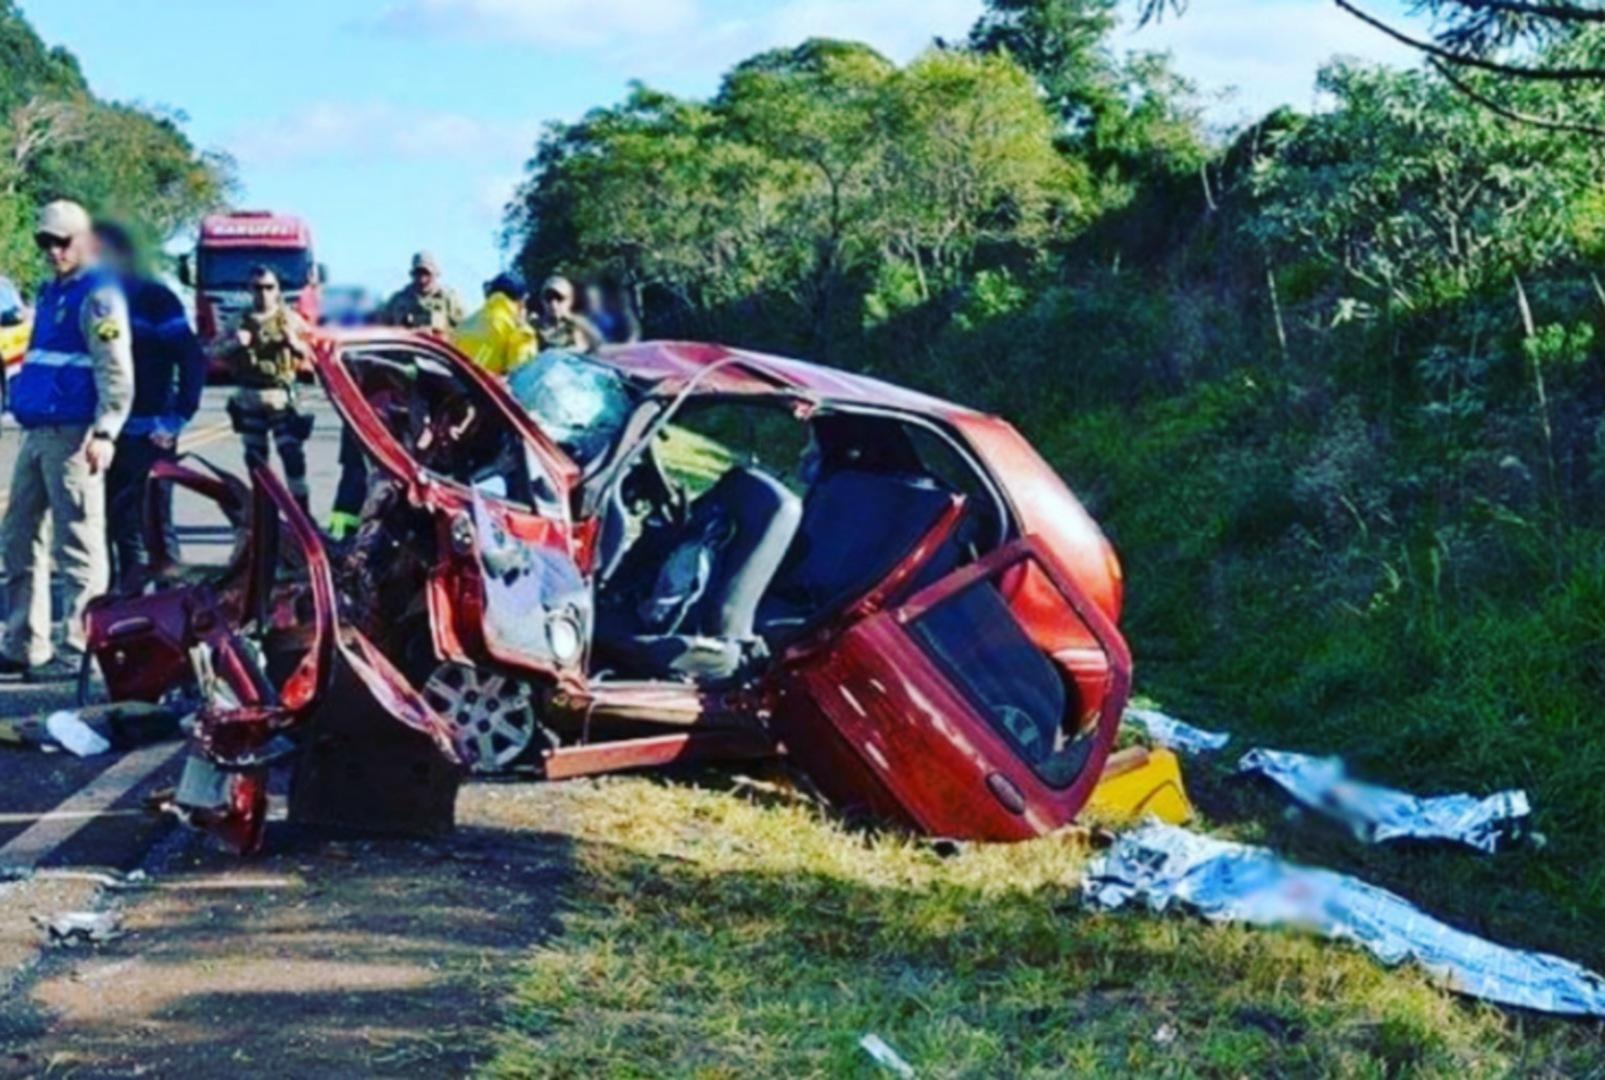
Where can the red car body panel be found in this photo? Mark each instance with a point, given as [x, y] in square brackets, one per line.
[866, 703]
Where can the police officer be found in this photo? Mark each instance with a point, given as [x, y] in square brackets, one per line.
[425, 304]
[428, 305]
[558, 325]
[271, 344]
[71, 399]
[169, 375]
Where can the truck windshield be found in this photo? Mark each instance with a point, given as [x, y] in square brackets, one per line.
[230, 268]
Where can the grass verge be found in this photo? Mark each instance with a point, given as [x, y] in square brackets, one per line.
[713, 932]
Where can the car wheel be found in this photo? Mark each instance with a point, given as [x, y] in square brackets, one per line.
[494, 715]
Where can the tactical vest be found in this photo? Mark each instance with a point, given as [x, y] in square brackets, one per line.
[56, 385]
[268, 361]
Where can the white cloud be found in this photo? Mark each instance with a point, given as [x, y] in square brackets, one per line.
[541, 22]
[367, 131]
[1266, 51]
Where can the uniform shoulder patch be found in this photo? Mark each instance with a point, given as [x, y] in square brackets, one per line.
[108, 329]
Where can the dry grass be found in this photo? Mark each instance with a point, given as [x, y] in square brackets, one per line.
[714, 932]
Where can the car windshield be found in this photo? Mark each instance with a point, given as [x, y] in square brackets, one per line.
[581, 405]
[230, 268]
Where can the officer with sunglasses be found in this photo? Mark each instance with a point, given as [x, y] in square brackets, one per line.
[271, 345]
[71, 398]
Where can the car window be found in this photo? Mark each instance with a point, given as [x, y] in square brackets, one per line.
[450, 427]
[707, 440]
[975, 640]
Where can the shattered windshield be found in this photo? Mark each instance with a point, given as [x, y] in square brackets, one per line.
[580, 404]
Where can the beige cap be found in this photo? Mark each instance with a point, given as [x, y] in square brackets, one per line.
[63, 219]
[559, 284]
[425, 261]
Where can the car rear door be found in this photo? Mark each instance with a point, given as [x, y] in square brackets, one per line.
[959, 710]
[507, 583]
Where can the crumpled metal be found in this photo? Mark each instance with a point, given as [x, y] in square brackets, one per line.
[1174, 734]
[1166, 867]
[1378, 814]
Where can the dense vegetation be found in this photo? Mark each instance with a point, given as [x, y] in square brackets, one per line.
[57, 140]
[1333, 383]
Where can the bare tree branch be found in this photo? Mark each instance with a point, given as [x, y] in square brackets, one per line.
[1558, 12]
[1544, 122]
[1557, 74]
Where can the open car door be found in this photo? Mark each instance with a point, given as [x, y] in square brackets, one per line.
[508, 585]
[983, 707]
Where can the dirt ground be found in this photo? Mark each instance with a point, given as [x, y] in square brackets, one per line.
[327, 957]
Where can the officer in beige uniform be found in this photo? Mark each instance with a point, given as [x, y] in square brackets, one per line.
[425, 304]
[558, 324]
[272, 343]
[71, 398]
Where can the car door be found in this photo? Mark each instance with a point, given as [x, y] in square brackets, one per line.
[958, 710]
[507, 583]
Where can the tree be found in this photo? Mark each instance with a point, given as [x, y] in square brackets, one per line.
[58, 141]
[809, 174]
[1127, 118]
[1513, 41]
[1413, 194]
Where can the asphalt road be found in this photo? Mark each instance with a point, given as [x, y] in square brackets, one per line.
[103, 824]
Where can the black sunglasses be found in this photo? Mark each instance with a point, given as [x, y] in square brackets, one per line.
[50, 242]
[553, 296]
[264, 287]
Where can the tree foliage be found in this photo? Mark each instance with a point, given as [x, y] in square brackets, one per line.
[57, 140]
[813, 174]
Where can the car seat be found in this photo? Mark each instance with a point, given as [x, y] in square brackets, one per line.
[856, 527]
[706, 577]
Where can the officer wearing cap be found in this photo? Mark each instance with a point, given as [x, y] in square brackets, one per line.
[558, 325]
[426, 303]
[71, 398]
[270, 347]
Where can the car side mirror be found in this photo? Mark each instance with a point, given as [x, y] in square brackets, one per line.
[186, 272]
[320, 273]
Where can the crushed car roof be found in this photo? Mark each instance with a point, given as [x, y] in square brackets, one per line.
[670, 366]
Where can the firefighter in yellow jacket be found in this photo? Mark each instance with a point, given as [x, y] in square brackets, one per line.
[498, 337]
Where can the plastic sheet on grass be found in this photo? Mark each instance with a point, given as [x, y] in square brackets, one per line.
[1378, 814]
[1175, 734]
[1166, 867]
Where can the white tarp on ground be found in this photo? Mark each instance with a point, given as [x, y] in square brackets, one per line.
[1377, 814]
[1166, 867]
[1174, 734]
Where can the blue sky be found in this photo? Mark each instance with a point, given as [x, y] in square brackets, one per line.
[395, 125]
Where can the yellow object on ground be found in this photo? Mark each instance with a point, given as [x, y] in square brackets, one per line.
[497, 337]
[1138, 782]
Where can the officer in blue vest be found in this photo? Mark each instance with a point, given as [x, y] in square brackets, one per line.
[71, 398]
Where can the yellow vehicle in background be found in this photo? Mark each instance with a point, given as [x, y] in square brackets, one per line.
[16, 324]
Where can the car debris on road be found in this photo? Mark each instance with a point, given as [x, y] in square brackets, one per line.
[916, 612]
[81, 928]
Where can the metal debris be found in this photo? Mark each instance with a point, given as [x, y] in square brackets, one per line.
[82, 928]
[68, 728]
[1378, 814]
[1165, 866]
[1175, 734]
[885, 1056]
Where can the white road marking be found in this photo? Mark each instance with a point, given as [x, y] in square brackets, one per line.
[30, 847]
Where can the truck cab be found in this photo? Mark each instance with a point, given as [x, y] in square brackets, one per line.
[230, 245]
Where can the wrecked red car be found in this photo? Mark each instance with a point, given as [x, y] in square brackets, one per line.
[666, 553]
